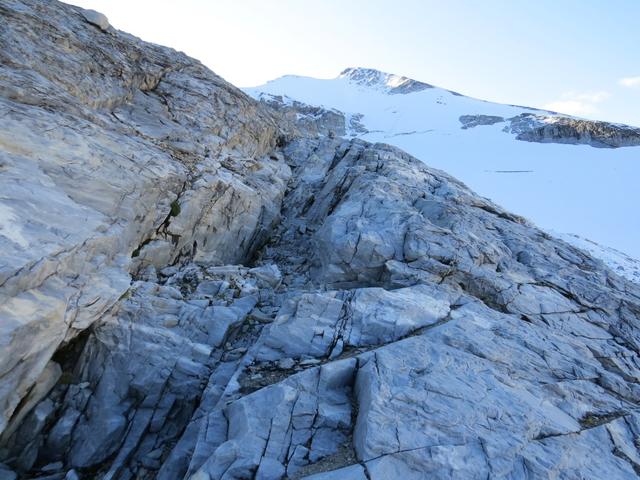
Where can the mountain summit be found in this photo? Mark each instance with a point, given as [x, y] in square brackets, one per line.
[388, 82]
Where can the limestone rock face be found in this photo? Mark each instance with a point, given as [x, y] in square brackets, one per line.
[114, 155]
[299, 118]
[196, 286]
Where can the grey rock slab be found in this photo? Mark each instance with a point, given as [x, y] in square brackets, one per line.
[305, 326]
[40, 389]
[96, 185]
[320, 325]
[231, 290]
[269, 425]
[96, 18]
[562, 129]
[443, 397]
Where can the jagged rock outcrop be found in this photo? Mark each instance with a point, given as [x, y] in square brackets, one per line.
[542, 128]
[111, 148]
[299, 117]
[534, 128]
[392, 84]
[239, 295]
[471, 121]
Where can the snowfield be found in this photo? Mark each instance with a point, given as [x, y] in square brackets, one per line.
[571, 190]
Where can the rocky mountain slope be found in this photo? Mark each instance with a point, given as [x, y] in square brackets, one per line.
[196, 285]
[568, 175]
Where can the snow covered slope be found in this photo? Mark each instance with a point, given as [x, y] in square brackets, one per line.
[560, 180]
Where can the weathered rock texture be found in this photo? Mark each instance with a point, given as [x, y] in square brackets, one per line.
[195, 286]
[393, 84]
[111, 148]
[543, 128]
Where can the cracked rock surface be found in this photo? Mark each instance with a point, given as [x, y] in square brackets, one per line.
[114, 155]
[196, 286]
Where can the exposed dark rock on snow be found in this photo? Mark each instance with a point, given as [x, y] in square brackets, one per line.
[311, 120]
[297, 118]
[197, 286]
[470, 121]
[542, 128]
[391, 83]
[535, 128]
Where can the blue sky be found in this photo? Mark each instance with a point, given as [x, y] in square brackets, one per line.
[577, 56]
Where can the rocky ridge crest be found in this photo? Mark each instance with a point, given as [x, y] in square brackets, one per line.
[390, 83]
[543, 128]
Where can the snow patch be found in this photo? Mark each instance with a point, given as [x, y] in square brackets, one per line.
[619, 262]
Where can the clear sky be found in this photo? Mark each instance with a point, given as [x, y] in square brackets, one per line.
[576, 56]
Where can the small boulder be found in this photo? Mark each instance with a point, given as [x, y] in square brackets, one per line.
[96, 18]
[268, 275]
[72, 475]
[286, 363]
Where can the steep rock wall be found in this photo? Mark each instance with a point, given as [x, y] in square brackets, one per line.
[115, 154]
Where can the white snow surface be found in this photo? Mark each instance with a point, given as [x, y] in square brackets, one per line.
[576, 190]
[618, 261]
